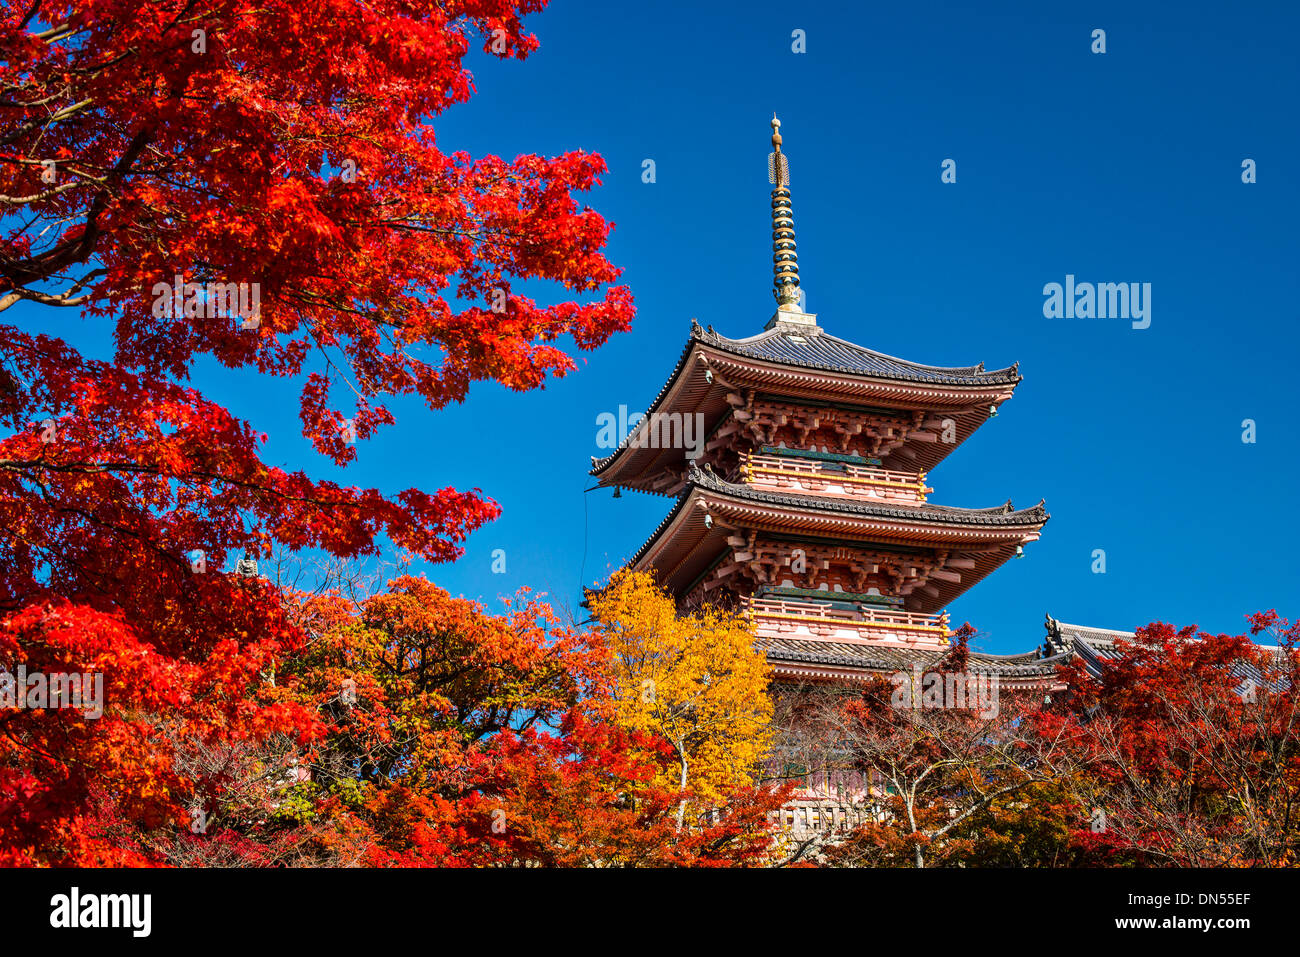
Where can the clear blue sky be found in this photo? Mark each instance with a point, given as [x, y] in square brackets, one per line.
[1117, 167]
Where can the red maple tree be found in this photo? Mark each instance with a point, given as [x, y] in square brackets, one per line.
[449, 737]
[1187, 746]
[258, 183]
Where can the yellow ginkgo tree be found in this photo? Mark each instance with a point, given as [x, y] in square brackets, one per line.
[697, 680]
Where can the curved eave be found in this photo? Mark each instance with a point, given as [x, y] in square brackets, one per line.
[828, 659]
[964, 394]
[791, 347]
[683, 548]
[670, 398]
[1046, 680]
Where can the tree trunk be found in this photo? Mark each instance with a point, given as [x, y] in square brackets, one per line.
[911, 820]
[681, 808]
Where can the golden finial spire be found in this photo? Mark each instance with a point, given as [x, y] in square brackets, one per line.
[785, 259]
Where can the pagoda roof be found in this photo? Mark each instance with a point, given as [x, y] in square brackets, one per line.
[819, 659]
[1095, 646]
[1092, 645]
[803, 362]
[815, 349]
[811, 655]
[1062, 636]
[683, 546]
[1003, 514]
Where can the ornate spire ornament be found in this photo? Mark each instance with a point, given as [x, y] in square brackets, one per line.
[785, 256]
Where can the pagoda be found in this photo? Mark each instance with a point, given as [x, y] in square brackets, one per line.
[804, 500]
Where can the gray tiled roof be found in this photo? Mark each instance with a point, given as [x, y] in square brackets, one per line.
[944, 514]
[1095, 646]
[1101, 638]
[1092, 645]
[821, 351]
[817, 350]
[884, 658]
[947, 514]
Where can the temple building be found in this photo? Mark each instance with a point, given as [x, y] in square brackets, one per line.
[800, 463]
[805, 499]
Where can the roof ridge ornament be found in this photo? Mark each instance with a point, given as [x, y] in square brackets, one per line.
[704, 333]
[1054, 644]
[785, 255]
